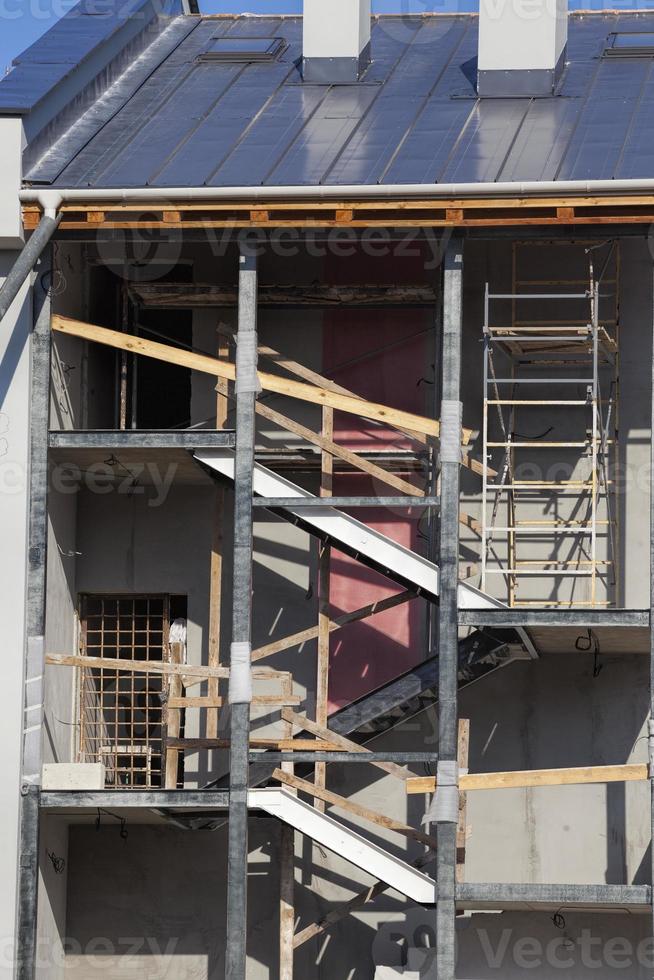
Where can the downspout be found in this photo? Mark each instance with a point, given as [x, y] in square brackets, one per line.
[28, 257]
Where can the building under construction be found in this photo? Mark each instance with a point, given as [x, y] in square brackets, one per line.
[325, 457]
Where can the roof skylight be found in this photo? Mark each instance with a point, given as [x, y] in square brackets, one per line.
[243, 49]
[632, 44]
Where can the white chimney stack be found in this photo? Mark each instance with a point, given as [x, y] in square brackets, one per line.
[336, 40]
[522, 47]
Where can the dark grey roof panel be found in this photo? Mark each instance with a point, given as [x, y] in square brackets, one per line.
[424, 151]
[71, 40]
[486, 142]
[413, 118]
[371, 149]
[264, 144]
[314, 151]
[87, 167]
[605, 119]
[158, 139]
[207, 147]
[637, 152]
[539, 146]
[112, 101]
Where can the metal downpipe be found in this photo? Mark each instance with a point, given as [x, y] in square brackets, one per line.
[27, 259]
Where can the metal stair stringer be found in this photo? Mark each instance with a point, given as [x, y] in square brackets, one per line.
[368, 546]
[346, 843]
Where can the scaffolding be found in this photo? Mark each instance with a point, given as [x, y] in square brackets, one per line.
[553, 365]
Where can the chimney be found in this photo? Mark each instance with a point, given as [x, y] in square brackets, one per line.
[522, 46]
[336, 40]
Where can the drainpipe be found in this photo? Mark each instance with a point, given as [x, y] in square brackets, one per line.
[28, 258]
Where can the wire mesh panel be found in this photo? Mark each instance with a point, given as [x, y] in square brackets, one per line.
[121, 711]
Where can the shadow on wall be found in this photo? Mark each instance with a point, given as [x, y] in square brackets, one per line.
[508, 946]
[153, 905]
[549, 714]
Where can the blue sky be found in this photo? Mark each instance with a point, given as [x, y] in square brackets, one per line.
[22, 21]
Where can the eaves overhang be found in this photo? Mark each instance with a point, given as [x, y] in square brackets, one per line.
[403, 205]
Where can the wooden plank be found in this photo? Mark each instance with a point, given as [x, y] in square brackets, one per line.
[305, 636]
[537, 777]
[274, 700]
[372, 204]
[316, 439]
[173, 717]
[215, 603]
[286, 901]
[349, 806]
[223, 369]
[342, 911]
[164, 295]
[365, 465]
[287, 871]
[196, 673]
[313, 377]
[339, 913]
[216, 561]
[488, 220]
[463, 752]
[275, 744]
[324, 577]
[136, 666]
[304, 723]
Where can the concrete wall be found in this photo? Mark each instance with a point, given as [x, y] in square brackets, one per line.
[493, 263]
[53, 886]
[14, 436]
[541, 714]
[550, 714]
[584, 835]
[60, 715]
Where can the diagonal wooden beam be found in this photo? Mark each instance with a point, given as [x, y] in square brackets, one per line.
[304, 636]
[270, 382]
[305, 724]
[342, 911]
[347, 455]
[341, 803]
[353, 458]
[300, 371]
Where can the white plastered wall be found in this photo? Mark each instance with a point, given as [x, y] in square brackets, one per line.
[14, 443]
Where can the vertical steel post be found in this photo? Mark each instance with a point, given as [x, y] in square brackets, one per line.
[40, 344]
[448, 606]
[651, 626]
[236, 951]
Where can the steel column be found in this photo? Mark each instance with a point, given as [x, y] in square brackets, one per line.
[448, 611]
[651, 635]
[35, 623]
[236, 952]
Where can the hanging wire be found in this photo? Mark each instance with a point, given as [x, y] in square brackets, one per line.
[123, 821]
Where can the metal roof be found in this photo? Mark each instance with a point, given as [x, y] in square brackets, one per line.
[174, 119]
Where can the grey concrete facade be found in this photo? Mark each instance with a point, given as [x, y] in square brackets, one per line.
[543, 714]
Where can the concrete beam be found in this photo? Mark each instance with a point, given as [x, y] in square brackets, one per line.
[532, 896]
[141, 439]
[510, 618]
